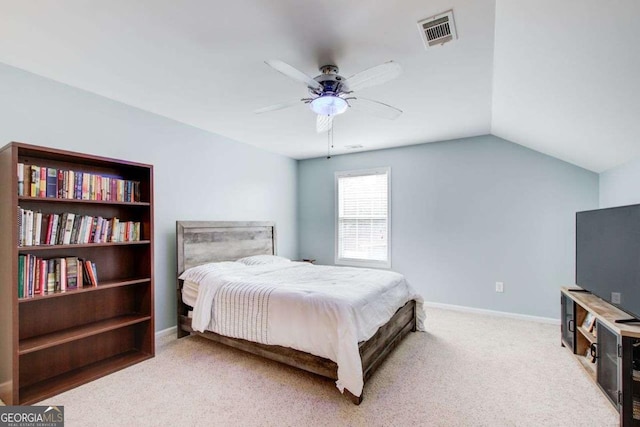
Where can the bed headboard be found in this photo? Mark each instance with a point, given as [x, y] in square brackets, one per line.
[201, 242]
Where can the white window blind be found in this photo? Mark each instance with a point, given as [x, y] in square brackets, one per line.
[362, 236]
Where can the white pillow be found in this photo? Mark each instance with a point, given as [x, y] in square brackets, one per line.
[195, 274]
[263, 260]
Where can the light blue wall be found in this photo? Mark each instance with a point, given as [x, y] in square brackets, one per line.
[198, 175]
[465, 214]
[620, 186]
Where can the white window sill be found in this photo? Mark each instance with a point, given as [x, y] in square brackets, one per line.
[363, 263]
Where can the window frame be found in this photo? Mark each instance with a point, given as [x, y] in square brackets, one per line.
[359, 262]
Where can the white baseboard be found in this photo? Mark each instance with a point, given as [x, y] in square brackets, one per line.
[166, 332]
[493, 312]
[174, 329]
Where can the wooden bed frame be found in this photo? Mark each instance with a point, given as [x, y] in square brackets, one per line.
[200, 242]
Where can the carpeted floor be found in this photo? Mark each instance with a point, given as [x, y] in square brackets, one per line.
[467, 370]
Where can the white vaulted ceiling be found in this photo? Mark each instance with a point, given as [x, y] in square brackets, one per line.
[558, 77]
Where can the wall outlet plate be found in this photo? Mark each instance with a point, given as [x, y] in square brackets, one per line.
[616, 297]
[499, 286]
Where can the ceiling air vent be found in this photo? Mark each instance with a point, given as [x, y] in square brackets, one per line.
[438, 29]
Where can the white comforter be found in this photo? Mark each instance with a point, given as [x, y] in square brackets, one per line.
[322, 310]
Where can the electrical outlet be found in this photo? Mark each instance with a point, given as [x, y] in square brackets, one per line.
[615, 297]
[499, 287]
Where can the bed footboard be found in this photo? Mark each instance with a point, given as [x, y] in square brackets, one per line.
[372, 352]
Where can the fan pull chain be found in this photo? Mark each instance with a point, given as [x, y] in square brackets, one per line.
[329, 142]
[331, 130]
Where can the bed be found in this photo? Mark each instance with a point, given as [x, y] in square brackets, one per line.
[200, 243]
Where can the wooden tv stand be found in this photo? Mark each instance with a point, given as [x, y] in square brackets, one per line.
[608, 351]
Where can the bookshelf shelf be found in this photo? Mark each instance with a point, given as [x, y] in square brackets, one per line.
[52, 386]
[80, 201]
[79, 332]
[80, 246]
[58, 340]
[101, 286]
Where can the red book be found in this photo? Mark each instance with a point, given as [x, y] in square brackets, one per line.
[43, 182]
[113, 189]
[90, 273]
[63, 274]
[49, 227]
[98, 187]
[42, 287]
[60, 183]
[43, 229]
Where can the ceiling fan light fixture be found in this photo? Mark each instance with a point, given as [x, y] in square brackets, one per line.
[329, 105]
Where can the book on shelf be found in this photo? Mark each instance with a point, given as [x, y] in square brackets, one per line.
[85, 186]
[51, 276]
[36, 279]
[34, 172]
[60, 185]
[60, 229]
[20, 227]
[39, 276]
[72, 273]
[90, 272]
[77, 185]
[30, 265]
[56, 275]
[44, 276]
[42, 185]
[50, 182]
[97, 233]
[92, 229]
[36, 228]
[76, 229]
[21, 260]
[20, 179]
[26, 174]
[62, 267]
[27, 222]
[63, 186]
[115, 223]
[68, 228]
[55, 221]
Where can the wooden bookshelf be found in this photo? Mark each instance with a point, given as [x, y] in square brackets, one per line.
[53, 342]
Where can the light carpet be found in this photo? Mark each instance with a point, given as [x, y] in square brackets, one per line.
[467, 370]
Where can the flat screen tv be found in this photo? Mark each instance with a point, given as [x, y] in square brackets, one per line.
[608, 255]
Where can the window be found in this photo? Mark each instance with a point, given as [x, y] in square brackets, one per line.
[363, 218]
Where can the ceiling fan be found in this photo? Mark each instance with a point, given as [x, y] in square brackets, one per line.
[331, 94]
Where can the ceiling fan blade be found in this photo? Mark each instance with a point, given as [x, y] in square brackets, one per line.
[376, 108]
[374, 76]
[294, 73]
[276, 107]
[324, 123]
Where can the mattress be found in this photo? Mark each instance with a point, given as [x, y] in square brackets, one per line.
[322, 310]
[189, 293]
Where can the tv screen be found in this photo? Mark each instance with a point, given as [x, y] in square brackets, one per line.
[608, 255]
